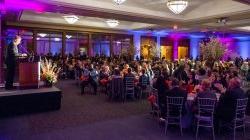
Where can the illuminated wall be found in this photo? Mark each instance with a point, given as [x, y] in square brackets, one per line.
[243, 44]
[137, 44]
[194, 46]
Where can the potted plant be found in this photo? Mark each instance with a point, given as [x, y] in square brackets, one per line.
[49, 72]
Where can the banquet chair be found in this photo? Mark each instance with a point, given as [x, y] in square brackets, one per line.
[205, 116]
[116, 88]
[144, 89]
[174, 112]
[77, 77]
[129, 87]
[239, 120]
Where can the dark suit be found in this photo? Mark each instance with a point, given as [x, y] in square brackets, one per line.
[178, 92]
[227, 103]
[10, 60]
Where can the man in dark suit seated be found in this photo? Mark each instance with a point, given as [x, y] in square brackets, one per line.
[129, 74]
[177, 91]
[12, 54]
[143, 80]
[228, 100]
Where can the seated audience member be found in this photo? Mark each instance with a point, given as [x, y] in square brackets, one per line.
[206, 91]
[93, 78]
[129, 74]
[84, 78]
[161, 88]
[177, 91]
[143, 80]
[116, 73]
[228, 100]
[104, 75]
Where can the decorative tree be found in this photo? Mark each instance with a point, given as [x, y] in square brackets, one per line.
[212, 51]
[154, 52]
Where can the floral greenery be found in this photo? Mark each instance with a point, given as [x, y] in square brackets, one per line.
[213, 50]
[154, 52]
[129, 52]
[49, 71]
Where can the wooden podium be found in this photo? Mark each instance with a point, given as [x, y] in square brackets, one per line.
[29, 74]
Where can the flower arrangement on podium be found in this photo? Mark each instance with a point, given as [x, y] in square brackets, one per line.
[49, 72]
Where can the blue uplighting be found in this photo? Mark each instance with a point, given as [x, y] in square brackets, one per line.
[243, 44]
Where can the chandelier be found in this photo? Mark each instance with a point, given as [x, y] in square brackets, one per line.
[177, 6]
[112, 23]
[71, 19]
[42, 34]
[68, 36]
[119, 2]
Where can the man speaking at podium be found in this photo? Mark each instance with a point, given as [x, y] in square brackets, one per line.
[11, 57]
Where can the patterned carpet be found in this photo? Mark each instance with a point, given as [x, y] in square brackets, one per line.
[79, 110]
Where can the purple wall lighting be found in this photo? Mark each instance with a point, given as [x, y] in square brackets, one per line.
[21, 5]
[176, 38]
[231, 46]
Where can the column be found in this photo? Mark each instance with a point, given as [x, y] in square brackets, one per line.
[175, 49]
[63, 44]
[243, 44]
[158, 45]
[89, 50]
[34, 42]
[111, 45]
[194, 46]
[137, 45]
[1, 51]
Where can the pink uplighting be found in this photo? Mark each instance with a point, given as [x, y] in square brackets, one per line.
[22, 5]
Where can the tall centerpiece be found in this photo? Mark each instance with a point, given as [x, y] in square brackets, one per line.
[212, 51]
[49, 72]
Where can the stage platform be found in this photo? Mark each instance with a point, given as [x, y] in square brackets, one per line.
[17, 102]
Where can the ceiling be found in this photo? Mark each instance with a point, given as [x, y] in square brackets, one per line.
[144, 14]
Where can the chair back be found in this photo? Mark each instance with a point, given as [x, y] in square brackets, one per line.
[241, 108]
[174, 106]
[77, 73]
[129, 82]
[206, 106]
[144, 81]
[117, 86]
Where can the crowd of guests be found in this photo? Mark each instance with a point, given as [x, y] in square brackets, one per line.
[170, 78]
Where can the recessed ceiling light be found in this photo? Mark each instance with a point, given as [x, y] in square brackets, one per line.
[112, 23]
[71, 19]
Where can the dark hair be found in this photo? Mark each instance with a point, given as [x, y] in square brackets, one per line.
[116, 71]
[202, 71]
[143, 71]
[175, 82]
[129, 70]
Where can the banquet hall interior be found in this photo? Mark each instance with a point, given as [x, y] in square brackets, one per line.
[124, 69]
